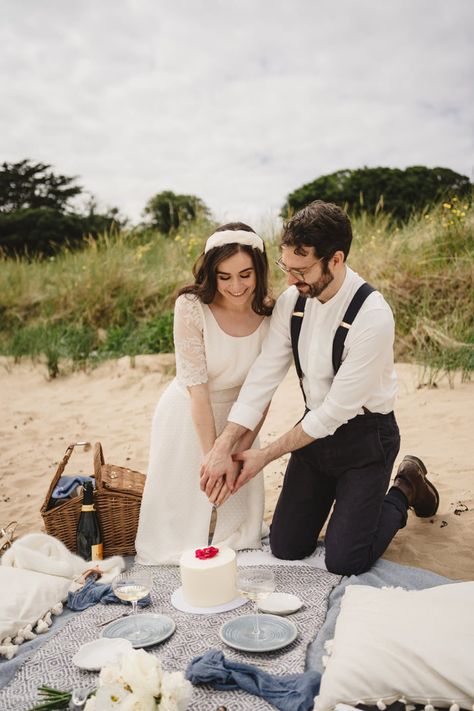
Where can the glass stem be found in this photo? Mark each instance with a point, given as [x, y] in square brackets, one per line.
[256, 628]
[135, 616]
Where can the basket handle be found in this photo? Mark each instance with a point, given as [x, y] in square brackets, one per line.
[98, 462]
[62, 466]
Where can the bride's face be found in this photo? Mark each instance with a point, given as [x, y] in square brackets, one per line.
[236, 279]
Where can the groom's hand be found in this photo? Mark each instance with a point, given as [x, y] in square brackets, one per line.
[252, 461]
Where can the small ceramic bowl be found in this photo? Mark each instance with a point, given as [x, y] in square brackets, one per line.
[94, 655]
[280, 604]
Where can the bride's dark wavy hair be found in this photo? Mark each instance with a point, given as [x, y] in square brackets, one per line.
[205, 271]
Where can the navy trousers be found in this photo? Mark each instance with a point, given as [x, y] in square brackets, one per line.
[351, 470]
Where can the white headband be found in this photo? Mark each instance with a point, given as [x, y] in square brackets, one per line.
[218, 239]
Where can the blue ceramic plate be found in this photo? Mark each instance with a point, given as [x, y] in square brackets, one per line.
[277, 632]
[153, 629]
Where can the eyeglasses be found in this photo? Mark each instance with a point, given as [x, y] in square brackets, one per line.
[296, 273]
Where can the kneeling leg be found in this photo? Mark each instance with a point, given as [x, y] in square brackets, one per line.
[301, 511]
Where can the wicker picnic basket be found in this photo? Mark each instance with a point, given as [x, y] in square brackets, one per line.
[117, 498]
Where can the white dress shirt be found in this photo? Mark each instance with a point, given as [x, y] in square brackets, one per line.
[366, 376]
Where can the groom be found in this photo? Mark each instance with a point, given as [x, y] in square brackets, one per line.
[340, 332]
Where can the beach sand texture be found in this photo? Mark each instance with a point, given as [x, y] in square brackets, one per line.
[114, 404]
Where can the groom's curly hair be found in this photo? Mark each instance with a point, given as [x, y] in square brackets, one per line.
[321, 225]
[205, 271]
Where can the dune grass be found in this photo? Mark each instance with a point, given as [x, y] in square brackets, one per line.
[115, 297]
[425, 271]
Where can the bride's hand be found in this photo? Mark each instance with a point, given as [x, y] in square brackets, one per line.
[216, 466]
[221, 491]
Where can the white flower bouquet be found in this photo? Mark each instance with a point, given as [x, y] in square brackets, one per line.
[137, 683]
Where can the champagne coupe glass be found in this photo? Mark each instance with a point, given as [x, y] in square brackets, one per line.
[79, 696]
[256, 584]
[133, 586]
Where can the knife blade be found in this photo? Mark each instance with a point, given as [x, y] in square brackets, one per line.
[212, 525]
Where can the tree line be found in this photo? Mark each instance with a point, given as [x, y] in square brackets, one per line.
[39, 214]
[400, 193]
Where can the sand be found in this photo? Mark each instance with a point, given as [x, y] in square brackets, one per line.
[114, 404]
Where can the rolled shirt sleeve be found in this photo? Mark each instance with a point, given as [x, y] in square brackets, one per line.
[268, 370]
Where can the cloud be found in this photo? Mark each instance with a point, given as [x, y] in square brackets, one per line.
[237, 102]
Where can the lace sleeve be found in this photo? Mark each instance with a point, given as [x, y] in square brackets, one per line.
[191, 368]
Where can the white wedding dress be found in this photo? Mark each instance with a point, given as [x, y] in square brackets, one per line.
[175, 513]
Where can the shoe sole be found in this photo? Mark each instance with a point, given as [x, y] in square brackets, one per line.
[433, 489]
[435, 492]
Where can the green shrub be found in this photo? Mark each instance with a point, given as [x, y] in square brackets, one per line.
[399, 193]
[44, 231]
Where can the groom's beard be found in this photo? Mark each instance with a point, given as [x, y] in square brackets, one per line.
[310, 291]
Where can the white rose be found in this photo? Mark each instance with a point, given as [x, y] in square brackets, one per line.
[111, 697]
[138, 702]
[142, 672]
[168, 704]
[110, 674]
[176, 692]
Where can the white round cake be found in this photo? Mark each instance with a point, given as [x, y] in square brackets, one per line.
[208, 582]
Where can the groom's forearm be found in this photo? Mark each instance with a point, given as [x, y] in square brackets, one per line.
[231, 434]
[289, 442]
[249, 436]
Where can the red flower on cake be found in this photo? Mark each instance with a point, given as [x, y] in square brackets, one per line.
[204, 553]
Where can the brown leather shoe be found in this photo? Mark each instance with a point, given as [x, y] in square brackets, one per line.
[422, 496]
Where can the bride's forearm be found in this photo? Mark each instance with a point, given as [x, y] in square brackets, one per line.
[203, 417]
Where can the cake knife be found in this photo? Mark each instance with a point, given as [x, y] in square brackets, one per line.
[212, 525]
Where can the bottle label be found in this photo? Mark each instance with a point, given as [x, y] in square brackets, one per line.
[87, 507]
[97, 552]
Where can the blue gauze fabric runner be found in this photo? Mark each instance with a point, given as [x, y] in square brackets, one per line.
[91, 593]
[289, 692]
[67, 485]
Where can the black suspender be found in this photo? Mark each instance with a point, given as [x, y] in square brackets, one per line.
[339, 337]
[295, 328]
[341, 332]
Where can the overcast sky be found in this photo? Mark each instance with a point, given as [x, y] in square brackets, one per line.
[236, 101]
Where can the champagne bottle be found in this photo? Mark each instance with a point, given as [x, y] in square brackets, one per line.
[88, 536]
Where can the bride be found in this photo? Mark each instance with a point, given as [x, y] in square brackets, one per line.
[220, 322]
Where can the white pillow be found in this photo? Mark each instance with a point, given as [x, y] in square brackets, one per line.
[26, 598]
[392, 644]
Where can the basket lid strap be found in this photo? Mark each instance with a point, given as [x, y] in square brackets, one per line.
[98, 461]
[62, 466]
